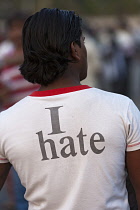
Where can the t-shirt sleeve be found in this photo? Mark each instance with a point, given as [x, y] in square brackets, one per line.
[3, 159]
[133, 122]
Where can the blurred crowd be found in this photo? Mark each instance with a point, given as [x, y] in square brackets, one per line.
[113, 65]
[114, 58]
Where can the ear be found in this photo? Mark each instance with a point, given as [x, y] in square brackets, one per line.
[75, 53]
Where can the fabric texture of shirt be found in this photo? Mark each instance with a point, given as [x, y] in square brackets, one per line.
[68, 147]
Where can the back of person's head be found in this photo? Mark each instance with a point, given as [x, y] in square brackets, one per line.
[47, 36]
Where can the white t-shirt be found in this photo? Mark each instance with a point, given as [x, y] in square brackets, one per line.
[68, 147]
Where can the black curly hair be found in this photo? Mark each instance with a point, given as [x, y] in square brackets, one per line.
[47, 36]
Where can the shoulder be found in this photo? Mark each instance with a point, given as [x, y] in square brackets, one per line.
[14, 111]
[110, 97]
[110, 103]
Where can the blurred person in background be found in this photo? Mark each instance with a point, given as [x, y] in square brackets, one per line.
[125, 42]
[135, 72]
[13, 87]
[114, 66]
[93, 57]
[135, 77]
[10, 79]
[6, 47]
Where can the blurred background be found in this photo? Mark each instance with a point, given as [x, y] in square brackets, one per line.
[112, 31]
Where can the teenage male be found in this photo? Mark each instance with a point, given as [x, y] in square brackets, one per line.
[69, 143]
